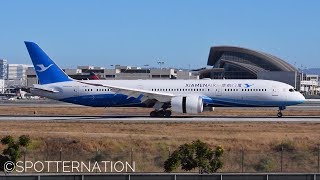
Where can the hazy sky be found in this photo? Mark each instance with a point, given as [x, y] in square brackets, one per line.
[138, 32]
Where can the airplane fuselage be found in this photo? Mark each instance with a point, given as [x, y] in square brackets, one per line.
[233, 93]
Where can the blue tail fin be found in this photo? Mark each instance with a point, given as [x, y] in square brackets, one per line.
[47, 71]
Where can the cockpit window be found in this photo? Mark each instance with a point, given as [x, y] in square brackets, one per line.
[291, 90]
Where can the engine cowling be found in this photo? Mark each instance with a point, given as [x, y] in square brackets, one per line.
[187, 104]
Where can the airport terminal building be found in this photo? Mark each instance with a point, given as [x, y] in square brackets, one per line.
[228, 62]
[240, 63]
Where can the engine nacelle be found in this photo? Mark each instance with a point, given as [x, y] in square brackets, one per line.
[187, 104]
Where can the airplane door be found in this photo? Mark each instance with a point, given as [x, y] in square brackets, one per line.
[76, 91]
[275, 91]
[140, 86]
[218, 91]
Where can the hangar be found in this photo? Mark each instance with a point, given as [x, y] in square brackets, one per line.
[231, 62]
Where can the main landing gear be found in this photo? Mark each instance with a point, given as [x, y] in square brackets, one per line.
[160, 113]
[279, 114]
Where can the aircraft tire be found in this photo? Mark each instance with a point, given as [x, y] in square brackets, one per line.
[153, 114]
[160, 113]
[167, 113]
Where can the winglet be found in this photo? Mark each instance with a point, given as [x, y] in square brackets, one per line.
[47, 71]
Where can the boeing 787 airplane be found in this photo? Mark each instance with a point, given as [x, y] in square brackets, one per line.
[165, 96]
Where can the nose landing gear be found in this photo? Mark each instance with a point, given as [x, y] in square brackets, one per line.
[279, 114]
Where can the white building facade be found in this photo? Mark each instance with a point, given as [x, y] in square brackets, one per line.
[3, 69]
[310, 84]
[17, 74]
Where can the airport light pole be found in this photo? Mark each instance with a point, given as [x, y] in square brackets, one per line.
[160, 64]
[146, 65]
[112, 66]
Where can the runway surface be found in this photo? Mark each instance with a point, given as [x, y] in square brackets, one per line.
[171, 119]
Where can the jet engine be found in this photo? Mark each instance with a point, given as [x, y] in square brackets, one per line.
[187, 104]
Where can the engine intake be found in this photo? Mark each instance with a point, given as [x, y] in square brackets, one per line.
[187, 104]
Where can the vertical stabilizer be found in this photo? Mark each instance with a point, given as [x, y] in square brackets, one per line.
[47, 71]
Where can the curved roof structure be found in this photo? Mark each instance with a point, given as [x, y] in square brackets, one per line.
[247, 59]
[247, 67]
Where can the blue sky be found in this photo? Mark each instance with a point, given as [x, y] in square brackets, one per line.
[181, 32]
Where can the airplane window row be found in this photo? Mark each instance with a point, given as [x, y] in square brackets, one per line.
[245, 89]
[254, 89]
[230, 89]
[97, 89]
[178, 89]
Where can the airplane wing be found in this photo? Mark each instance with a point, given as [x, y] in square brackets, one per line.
[131, 92]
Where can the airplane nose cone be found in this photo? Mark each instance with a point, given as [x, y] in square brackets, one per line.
[302, 98]
[299, 98]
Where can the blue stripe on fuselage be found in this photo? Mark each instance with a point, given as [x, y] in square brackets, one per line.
[104, 100]
[110, 100]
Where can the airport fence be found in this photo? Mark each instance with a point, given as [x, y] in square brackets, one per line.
[166, 176]
[235, 160]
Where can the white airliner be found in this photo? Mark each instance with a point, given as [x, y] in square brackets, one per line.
[165, 96]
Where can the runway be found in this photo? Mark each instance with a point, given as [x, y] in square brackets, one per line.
[171, 119]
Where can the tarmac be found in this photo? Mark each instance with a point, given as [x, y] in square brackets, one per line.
[308, 105]
[171, 119]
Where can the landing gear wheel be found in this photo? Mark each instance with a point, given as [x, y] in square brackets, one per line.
[153, 114]
[279, 111]
[160, 113]
[167, 113]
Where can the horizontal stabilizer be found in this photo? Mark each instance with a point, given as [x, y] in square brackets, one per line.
[45, 89]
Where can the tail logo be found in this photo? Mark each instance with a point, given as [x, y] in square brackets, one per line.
[43, 68]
